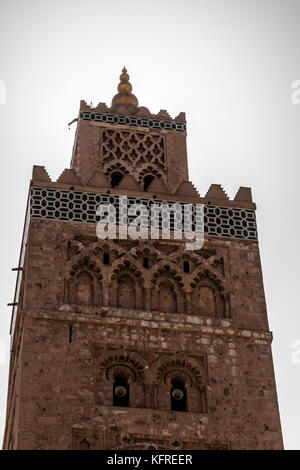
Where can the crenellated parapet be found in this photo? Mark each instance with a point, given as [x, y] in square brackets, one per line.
[186, 192]
[130, 110]
[148, 330]
[68, 199]
[125, 104]
[125, 150]
[126, 138]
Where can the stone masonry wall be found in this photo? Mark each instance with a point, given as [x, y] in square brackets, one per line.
[72, 345]
[59, 390]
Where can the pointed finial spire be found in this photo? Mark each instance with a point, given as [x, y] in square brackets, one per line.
[124, 88]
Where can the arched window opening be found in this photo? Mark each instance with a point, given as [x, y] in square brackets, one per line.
[116, 178]
[106, 259]
[84, 289]
[207, 301]
[167, 298]
[126, 293]
[178, 397]
[70, 333]
[147, 180]
[186, 266]
[146, 263]
[120, 392]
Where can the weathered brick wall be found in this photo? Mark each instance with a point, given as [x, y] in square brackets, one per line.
[147, 316]
[59, 390]
[46, 270]
[133, 151]
[65, 394]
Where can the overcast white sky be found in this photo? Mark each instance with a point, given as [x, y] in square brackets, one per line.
[229, 64]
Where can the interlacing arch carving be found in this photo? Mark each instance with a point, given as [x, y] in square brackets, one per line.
[181, 383]
[120, 379]
[144, 276]
[147, 169]
[155, 256]
[212, 273]
[126, 263]
[74, 248]
[123, 168]
[151, 383]
[139, 446]
[196, 260]
[210, 293]
[86, 261]
[167, 268]
[126, 441]
[94, 251]
[146, 257]
[195, 369]
[110, 247]
[127, 289]
[146, 248]
[84, 272]
[83, 281]
[166, 292]
[132, 360]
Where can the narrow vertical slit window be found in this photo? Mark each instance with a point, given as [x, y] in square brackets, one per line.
[106, 259]
[178, 397]
[120, 392]
[186, 266]
[147, 181]
[70, 333]
[116, 178]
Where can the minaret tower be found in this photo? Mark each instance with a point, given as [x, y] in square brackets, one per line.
[137, 343]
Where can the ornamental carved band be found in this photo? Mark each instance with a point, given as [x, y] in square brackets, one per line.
[78, 206]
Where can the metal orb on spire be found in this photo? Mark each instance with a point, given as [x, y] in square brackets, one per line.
[124, 88]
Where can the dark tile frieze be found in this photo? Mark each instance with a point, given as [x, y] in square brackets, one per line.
[78, 206]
